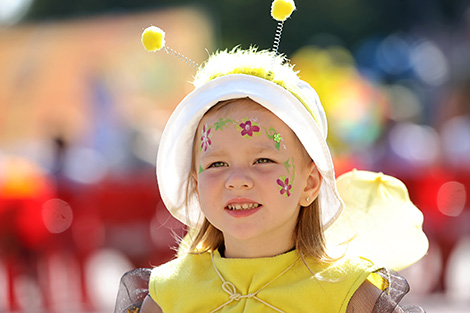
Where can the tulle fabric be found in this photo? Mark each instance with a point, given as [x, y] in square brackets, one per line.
[389, 300]
[134, 288]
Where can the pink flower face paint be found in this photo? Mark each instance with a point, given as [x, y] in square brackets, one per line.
[205, 138]
[284, 186]
[248, 128]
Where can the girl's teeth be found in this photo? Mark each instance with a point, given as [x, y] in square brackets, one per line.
[244, 206]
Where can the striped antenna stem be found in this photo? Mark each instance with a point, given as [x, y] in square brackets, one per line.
[186, 60]
[277, 37]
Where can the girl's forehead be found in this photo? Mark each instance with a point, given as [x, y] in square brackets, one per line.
[250, 122]
[242, 106]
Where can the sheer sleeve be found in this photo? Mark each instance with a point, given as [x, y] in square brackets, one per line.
[132, 291]
[389, 300]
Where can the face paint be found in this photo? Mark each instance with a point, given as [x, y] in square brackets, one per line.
[205, 138]
[283, 182]
[274, 135]
[219, 125]
[288, 164]
[200, 169]
[284, 186]
[248, 127]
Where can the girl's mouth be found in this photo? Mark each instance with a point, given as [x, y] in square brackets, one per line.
[242, 206]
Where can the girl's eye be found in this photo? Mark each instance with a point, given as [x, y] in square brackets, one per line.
[263, 161]
[218, 164]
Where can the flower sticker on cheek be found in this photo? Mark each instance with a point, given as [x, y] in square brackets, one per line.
[248, 127]
[284, 186]
[205, 138]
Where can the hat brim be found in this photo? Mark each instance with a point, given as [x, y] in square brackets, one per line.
[175, 149]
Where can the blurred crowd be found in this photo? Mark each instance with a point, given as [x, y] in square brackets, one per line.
[79, 202]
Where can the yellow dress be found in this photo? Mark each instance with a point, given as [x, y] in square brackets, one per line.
[379, 224]
[283, 283]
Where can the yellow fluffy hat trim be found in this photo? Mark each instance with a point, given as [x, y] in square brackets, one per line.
[263, 64]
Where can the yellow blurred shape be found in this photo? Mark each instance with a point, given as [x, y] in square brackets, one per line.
[379, 220]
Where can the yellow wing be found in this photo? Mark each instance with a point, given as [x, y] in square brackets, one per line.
[379, 221]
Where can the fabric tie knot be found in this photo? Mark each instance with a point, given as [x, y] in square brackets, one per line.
[230, 288]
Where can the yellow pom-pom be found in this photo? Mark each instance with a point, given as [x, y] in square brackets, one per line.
[153, 38]
[282, 9]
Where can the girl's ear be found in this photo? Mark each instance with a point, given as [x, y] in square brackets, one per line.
[312, 185]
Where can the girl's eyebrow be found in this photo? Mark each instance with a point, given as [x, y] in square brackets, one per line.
[263, 149]
[211, 154]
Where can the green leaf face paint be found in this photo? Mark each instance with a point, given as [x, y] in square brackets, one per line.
[285, 183]
[221, 123]
[275, 136]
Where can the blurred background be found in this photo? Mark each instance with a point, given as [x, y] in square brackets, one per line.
[82, 107]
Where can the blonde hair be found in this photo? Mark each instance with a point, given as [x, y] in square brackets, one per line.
[308, 234]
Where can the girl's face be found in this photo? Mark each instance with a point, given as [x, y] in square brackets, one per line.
[252, 175]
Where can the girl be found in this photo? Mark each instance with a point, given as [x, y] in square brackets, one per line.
[243, 162]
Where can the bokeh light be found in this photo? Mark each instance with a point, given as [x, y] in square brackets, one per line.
[455, 134]
[393, 54]
[417, 144]
[85, 165]
[405, 104]
[355, 108]
[451, 198]
[11, 11]
[57, 215]
[429, 63]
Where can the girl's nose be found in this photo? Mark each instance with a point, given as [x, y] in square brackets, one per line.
[238, 179]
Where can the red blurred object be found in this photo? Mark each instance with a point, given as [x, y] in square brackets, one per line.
[24, 187]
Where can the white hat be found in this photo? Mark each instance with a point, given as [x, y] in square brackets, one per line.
[306, 118]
